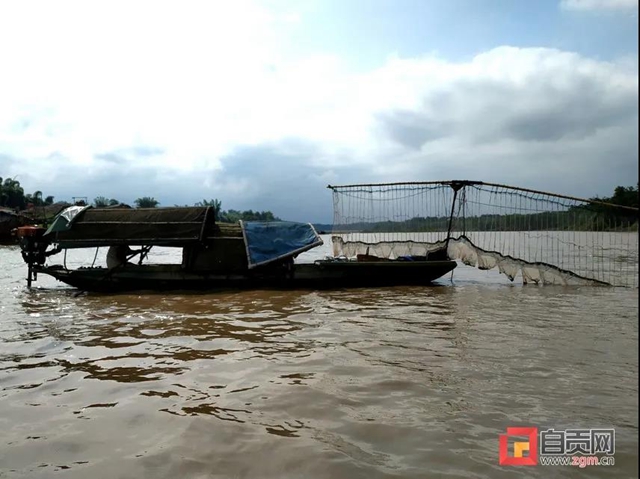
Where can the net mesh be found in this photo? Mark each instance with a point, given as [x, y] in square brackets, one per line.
[534, 236]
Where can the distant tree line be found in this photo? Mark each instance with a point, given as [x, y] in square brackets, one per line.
[103, 201]
[146, 202]
[225, 216]
[12, 195]
[233, 216]
[622, 195]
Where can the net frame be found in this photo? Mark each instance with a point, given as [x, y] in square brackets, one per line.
[540, 236]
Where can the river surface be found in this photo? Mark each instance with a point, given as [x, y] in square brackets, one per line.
[404, 382]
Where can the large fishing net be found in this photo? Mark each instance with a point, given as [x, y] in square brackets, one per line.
[534, 236]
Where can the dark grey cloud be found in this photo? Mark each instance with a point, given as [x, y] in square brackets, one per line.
[286, 177]
[583, 168]
[413, 129]
[544, 108]
[577, 112]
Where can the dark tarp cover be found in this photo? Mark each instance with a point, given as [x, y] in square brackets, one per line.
[274, 240]
[140, 226]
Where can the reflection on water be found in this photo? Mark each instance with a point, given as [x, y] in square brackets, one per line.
[393, 382]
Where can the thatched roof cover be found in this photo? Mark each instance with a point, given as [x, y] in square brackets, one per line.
[140, 226]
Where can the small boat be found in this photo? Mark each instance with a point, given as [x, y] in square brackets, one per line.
[215, 256]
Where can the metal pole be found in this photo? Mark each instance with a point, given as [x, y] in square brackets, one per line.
[453, 207]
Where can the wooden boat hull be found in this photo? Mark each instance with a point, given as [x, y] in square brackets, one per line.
[319, 275]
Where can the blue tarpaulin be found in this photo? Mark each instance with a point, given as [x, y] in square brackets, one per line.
[274, 240]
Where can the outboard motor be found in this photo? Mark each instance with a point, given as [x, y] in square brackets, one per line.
[33, 248]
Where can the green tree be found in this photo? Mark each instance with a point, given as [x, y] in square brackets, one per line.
[31, 199]
[625, 196]
[37, 198]
[48, 200]
[101, 202]
[113, 202]
[147, 202]
[233, 216]
[215, 203]
[12, 194]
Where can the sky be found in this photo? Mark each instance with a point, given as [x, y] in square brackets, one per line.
[262, 104]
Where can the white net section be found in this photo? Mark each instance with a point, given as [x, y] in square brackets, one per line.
[534, 236]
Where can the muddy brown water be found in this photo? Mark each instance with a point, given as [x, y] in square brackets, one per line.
[370, 383]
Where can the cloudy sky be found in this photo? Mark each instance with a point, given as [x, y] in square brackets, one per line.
[263, 103]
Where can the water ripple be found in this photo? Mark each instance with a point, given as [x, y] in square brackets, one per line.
[395, 382]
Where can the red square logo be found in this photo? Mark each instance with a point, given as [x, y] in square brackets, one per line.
[528, 446]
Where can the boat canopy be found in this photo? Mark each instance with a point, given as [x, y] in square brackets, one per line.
[277, 240]
[82, 227]
[265, 242]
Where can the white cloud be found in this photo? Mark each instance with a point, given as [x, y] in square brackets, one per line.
[599, 4]
[189, 102]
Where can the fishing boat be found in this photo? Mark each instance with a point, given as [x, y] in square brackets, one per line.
[383, 234]
[215, 255]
